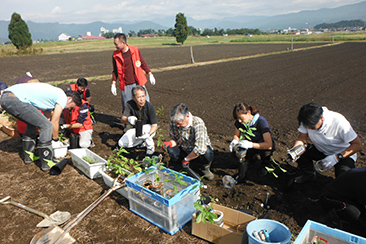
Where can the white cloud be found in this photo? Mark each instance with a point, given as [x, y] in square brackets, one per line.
[56, 10]
[86, 11]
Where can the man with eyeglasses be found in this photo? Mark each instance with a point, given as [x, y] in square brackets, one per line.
[334, 142]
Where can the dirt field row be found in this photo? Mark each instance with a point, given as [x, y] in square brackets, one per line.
[277, 84]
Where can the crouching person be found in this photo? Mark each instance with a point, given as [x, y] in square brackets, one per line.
[139, 111]
[189, 141]
[79, 122]
[24, 101]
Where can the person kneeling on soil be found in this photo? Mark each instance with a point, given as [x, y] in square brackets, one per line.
[345, 199]
[81, 87]
[252, 137]
[24, 101]
[189, 141]
[335, 143]
[138, 111]
[78, 121]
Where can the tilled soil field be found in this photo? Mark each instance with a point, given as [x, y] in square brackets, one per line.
[278, 84]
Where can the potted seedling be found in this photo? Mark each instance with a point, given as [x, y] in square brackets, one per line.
[87, 161]
[61, 151]
[118, 164]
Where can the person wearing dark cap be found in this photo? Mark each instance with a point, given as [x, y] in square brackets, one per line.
[334, 142]
[24, 101]
[81, 87]
[28, 78]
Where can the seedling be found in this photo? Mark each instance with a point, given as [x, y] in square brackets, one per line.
[273, 167]
[247, 132]
[89, 160]
[121, 164]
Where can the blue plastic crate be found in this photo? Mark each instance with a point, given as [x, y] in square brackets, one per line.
[136, 181]
[333, 236]
[168, 214]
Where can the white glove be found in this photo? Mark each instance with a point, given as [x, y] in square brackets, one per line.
[56, 144]
[245, 144]
[132, 120]
[152, 79]
[64, 126]
[328, 162]
[144, 136]
[114, 89]
[232, 144]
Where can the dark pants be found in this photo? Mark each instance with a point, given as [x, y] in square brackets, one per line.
[312, 154]
[29, 115]
[177, 155]
[347, 196]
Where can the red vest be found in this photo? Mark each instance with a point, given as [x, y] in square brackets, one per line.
[140, 76]
[72, 118]
[75, 88]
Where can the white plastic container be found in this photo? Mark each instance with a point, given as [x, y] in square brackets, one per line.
[61, 151]
[90, 169]
[109, 182]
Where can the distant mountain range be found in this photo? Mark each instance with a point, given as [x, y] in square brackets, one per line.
[303, 19]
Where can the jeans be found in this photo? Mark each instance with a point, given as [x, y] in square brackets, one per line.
[177, 154]
[29, 115]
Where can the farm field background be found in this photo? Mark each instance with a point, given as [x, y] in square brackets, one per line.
[278, 82]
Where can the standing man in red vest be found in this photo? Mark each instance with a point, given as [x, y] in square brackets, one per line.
[128, 68]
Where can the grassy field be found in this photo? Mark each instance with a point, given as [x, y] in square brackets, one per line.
[101, 45]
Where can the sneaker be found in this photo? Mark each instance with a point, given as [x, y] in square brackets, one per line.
[305, 177]
[92, 144]
[149, 152]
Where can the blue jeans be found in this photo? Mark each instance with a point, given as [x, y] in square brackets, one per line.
[176, 155]
[29, 115]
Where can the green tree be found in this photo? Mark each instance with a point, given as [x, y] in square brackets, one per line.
[181, 28]
[19, 33]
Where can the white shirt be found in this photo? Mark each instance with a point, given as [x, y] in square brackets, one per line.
[334, 135]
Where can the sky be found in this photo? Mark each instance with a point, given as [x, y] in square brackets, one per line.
[110, 11]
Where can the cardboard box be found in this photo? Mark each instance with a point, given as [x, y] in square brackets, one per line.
[332, 235]
[228, 232]
[10, 131]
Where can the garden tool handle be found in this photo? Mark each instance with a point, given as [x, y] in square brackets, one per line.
[19, 205]
[86, 211]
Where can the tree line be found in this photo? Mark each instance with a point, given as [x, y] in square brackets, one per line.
[21, 38]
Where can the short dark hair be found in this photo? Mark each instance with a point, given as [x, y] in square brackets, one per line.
[82, 82]
[136, 88]
[75, 97]
[310, 114]
[243, 108]
[179, 112]
[122, 37]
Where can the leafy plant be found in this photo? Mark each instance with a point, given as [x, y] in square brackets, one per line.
[247, 132]
[11, 118]
[89, 160]
[178, 179]
[121, 164]
[159, 132]
[61, 137]
[274, 166]
[204, 213]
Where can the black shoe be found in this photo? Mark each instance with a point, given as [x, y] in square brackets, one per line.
[305, 177]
